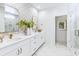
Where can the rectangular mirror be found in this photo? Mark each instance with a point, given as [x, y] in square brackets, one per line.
[2, 23]
[9, 16]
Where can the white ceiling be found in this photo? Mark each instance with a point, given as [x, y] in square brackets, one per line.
[42, 6]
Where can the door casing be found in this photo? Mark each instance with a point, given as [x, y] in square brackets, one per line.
[62, 37]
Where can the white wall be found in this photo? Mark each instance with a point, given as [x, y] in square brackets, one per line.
[76, 11]
[73, 17]
[47, 17]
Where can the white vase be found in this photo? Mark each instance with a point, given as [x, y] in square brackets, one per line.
[29, 31]
[23, 31]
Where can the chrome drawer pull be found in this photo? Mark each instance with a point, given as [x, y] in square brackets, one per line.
[19, 51]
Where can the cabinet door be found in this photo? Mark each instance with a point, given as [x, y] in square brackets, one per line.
[36, 41]
[14, 52]
[39, 40]
[25, 48]
[21, 50]
[6, 50]
[33, 44]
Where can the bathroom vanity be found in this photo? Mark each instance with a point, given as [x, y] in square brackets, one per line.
[21, 45]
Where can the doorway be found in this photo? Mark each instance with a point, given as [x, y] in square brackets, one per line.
[61, 30]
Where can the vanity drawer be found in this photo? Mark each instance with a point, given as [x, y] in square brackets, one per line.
[13, 52]
[33, 41]
[19, 51]
[13, 47]
[25, 48]
[7, 49]
[33, 45]
[33, 49]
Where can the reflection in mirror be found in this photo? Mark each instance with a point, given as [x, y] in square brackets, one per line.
[11, 18]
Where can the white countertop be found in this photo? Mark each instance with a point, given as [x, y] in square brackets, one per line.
[16, 38]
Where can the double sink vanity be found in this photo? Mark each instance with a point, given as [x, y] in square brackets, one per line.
[21, 45]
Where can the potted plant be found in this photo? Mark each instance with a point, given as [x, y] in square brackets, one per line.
[30, 25]
[22, 24]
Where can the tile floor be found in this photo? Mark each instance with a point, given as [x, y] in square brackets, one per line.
[58, 50]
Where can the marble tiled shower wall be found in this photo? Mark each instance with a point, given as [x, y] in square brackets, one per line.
[74, 21]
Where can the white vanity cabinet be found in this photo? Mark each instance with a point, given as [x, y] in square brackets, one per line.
[13, 52]
[33, 44]
[17, 49]
[36, 42]
[23, 47]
